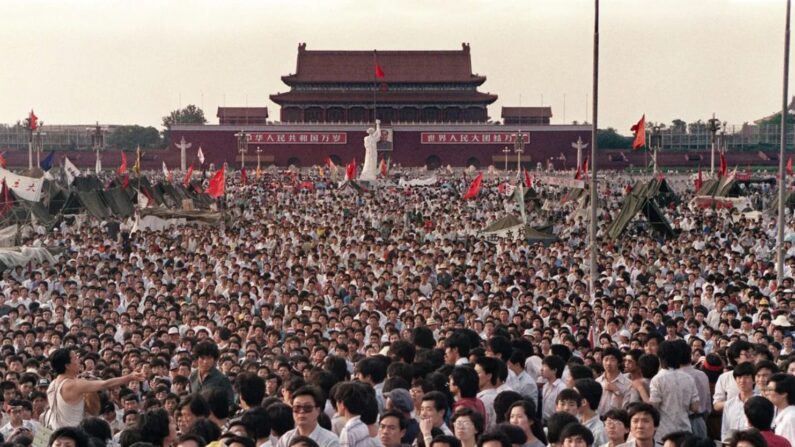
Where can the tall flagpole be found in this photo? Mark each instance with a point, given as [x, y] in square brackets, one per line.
[594, 184]
[782, 173]
[375, 83]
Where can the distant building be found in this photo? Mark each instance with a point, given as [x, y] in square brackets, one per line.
[242, 115]
[417, 87]
[526, 115]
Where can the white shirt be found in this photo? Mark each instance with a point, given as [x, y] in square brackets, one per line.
[733, 418]
[725, 388]
[550, 394]
[487, 397]
[785, 423]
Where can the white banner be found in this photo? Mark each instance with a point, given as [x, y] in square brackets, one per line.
[70, 169]
[28, 188]
[561, 181]
[418, 182]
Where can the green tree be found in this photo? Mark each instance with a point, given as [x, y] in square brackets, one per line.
[678, 126]
[610, 139]
[130, 137]
[189, 115]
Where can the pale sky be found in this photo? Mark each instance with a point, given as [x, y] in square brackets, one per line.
[131, 62]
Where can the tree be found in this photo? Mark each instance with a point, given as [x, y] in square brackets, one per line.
[678, 126]
[189, 115]
[130, 137]
[610, 139]
[697, 127]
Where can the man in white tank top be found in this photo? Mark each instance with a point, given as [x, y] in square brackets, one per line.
[66, 394]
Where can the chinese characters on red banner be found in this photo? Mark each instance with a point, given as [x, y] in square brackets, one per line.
[470, 137]
[297, 138]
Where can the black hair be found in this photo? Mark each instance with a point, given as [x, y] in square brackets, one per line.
[477, 419]
[490, 366]
[402, 351]
[251, 388]
[785, 383]
[78, 435]
[648, 365]
[642, 407]
[218, 402]
[670, 354]
[580, 372]
[459, 342]
[452, 441]
[129, 437]
[311, 391]
[514, 433]
[466, 380]
[440, 401]
[759, 412]
[744, 369]
[60, 358]
[154, 426]
[402, 422]
[422, 337]
[206, 429]
[494, 435]
[503, 401]
[352, 395]
[569, 394]
[556, 423]
[206, 349]
[191, 437]
[590, 390]
[736, 348]
[529, 408]
[246, 442]
[256, 422]
[577, 429]
[280, 416]
[97, 428]
[556, 363]
[372, 367]
[750, 436]
[197, 405]
[306, 440]
[677, 438]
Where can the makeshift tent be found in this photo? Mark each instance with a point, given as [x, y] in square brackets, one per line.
[13, 256]
[724, 187]
[118, 201]
[789, 200]
[189, 216]
[641, 200]
[93, 203]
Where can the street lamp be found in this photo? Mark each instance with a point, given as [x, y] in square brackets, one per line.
[259, 151]
[713, 126]
[38, 142]
[242, 147]
[656, 142]
[506, 151]
[518, 148]
[97, 141]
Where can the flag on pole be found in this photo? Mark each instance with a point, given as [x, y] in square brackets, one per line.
[379, 72]
[383, 168]
[137, 165]
[46, 164]
[520, 198]
[585, 167]
[243, 177]
[33, 121]
[216, 186]
[528, 181]
[166, 172]
[3, 161]
[259, 172]
[125, 181]
[640, 133]
[723, 169]
[350, 170]
[123, 168]
[188, 175]
[789, 166]
[474, 187]
[200, 155]
[70, 170]
[6, 201]
[699, 180]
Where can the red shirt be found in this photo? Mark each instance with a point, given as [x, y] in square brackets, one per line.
[476, 404]
[774, 440]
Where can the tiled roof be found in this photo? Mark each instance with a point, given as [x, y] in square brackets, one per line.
[365, 97]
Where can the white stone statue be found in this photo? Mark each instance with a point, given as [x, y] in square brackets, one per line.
[370, 166]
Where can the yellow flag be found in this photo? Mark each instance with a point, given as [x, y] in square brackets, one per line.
[137, 165]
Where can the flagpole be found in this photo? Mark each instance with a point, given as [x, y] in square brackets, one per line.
[782, 147]
[594, 185]
[375, 83]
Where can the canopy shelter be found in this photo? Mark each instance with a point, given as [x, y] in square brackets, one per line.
[641, 201]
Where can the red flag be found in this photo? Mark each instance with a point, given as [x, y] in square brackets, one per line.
[578, 174]
[502, 188]
[789, 166]
[3, 161]
[640, 133]
[379, 73]
[6, 201]
[474, 188]
[699, 180]
[123, 168]
[528, 181]
[125, 182]
[216, 186]
[33, 121]
[723, 169]
[383, 168]
[188, 175]
[243, 177]
[585, 166]
[350, 170]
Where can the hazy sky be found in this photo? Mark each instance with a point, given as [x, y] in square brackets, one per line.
[131, 62]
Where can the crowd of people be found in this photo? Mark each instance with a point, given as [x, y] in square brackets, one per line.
[327, 316]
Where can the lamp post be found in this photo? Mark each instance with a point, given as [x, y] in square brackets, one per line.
[38, 143]
[97, 141]
[782, 173]
[506, 151]
[656, 142]
[242, 147]
[259, 151]
[713, 126]
[518, 148]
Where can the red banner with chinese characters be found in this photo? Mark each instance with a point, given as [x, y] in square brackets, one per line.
[297, 138]
[471, 137]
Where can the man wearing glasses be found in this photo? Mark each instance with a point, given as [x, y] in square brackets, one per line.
[781, 391]
[307, 405]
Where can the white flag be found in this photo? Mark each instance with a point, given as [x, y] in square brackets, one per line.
[27, 188]
[71, 170]
[201, 155]
[166, 172]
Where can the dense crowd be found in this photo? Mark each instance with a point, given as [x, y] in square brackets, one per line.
[316, 315]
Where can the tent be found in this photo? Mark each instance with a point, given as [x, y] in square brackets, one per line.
[723, 187]
[641, 200]
[789, 200]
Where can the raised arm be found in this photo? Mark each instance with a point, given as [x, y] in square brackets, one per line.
[77, 387]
